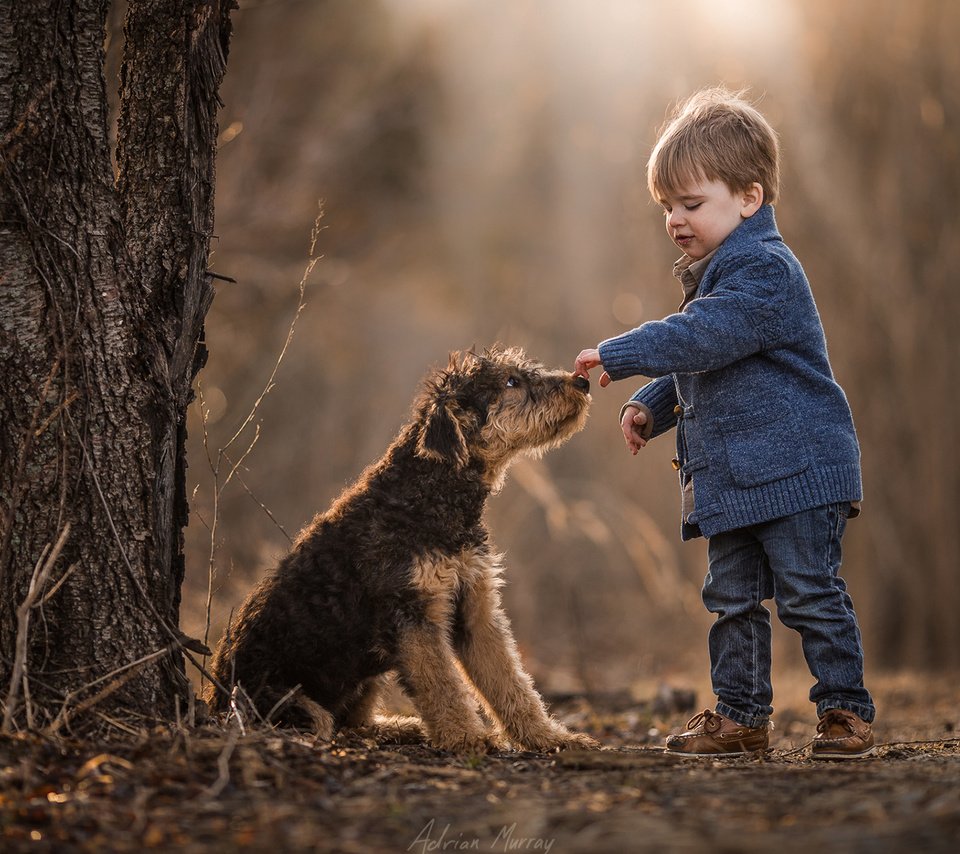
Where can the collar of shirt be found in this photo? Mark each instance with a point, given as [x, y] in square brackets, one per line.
[690, 272]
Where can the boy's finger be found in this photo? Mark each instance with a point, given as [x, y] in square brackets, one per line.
[604, 379]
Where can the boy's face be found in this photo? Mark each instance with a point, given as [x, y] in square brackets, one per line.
[700, 215]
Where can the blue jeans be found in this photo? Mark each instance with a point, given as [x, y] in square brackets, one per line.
[796, 561]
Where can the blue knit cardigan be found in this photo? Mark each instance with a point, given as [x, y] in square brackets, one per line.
[764, 429]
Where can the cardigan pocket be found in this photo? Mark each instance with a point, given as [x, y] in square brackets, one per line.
[763, 446]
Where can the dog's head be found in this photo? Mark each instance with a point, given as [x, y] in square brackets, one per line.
[494, 405]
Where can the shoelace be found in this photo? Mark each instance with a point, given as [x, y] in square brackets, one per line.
[711, 721]
[835, 716]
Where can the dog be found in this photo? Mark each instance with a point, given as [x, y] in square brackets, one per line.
[399, 576]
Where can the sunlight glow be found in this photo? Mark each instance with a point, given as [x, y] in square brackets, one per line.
[753, 23]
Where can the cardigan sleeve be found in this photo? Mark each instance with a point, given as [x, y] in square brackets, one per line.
[739, 317]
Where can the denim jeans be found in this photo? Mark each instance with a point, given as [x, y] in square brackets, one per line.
[796, 561]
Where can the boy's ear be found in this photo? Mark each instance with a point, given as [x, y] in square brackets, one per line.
[752, 200]
[441, 434]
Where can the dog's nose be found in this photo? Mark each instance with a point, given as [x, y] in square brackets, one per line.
[582, 383]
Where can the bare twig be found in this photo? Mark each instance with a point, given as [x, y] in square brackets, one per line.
[280, 703]
[301, 305]
[119, 677]
[216, 461]
[263, 506]
[18, 675]
[28, 703]
[53, 590]
[243, 456]
[211, 560]
[235, 709]
[120, 725]
[223, 766]
[49, 419]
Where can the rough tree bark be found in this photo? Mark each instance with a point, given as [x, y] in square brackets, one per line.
[103, 293]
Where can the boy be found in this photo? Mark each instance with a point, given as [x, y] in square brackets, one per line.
[767, 453]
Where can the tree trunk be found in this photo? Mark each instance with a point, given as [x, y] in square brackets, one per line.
[104, 290]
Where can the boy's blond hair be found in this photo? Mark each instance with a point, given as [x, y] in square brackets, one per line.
[718, 136]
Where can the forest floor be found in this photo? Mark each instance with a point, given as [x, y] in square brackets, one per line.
[215, 790]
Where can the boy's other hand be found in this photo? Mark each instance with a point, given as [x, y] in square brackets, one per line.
[633, 423]
[587, 360]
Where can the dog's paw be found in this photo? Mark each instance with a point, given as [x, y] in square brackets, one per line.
[557, 738]
[468, 743]
[393, 729]
[579, 741]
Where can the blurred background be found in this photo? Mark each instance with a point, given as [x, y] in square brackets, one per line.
[481, 171]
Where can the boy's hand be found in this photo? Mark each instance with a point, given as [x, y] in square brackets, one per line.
[633, 423]
[587, 360]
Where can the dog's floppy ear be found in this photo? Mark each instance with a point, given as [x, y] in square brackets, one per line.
[441, 434]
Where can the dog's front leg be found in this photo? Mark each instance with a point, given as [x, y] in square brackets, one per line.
[428, 672]
[489, 655]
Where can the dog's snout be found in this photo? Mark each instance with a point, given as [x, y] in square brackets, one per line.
[582, 383]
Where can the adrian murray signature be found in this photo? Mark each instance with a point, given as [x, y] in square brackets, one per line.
[432, 838]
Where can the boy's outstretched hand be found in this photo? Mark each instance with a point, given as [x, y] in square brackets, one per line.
[637, 427]
[587, 360]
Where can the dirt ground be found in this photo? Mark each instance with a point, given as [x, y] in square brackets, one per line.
[216, 790]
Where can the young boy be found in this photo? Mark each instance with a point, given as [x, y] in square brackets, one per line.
[767, 453]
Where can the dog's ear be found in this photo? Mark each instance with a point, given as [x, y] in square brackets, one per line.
[441, 434]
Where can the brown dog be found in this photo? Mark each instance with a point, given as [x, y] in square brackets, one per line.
[399, 575]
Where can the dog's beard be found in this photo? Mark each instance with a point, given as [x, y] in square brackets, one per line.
[559, 433]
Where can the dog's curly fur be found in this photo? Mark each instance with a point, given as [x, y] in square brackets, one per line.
[399, 574]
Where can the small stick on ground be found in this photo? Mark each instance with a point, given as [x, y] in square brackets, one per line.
[223, 766]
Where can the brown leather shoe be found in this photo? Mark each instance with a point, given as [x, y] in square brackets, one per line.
[842, 735]
[711, 734]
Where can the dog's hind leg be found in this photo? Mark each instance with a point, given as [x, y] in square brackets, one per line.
[361, 714]
[361, 708]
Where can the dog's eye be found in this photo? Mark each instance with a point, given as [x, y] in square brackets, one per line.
[513, 382]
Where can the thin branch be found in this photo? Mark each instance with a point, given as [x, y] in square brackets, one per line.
[235, 710]
[53, 590]
[49, 419]
[120, 725]
[18, 675]
[120, 677]
[215, 461]
[223, 766]
[220, 277]
[243, 456]
[261, 505]
[281, 702]
[301, 305]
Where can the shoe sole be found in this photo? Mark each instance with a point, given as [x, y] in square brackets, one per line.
[862, 755]
[727, 755]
